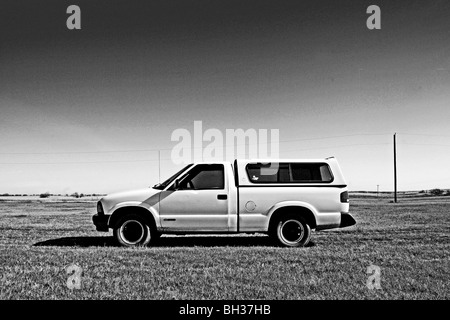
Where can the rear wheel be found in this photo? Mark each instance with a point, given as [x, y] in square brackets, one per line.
[132, 231]
[292, 231]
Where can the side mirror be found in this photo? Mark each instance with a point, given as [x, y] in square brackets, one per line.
[176, 185]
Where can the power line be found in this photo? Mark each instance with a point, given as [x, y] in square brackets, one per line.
[338, 146]
[281, 141]
[423, 134]
[426, 144]
[79, 152]
[159, 150]
[162, 149]
[341, 136]
[80, 162]
[156, 160]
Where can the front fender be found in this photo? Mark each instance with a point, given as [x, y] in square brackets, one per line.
[151, 210]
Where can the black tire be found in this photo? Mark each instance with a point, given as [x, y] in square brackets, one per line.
[156, 236]
[291, 231]
[132, 231]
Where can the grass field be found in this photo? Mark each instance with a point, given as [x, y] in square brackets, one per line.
[409, 242]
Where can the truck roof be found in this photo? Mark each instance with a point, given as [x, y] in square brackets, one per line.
[265, 160]
[288, 160]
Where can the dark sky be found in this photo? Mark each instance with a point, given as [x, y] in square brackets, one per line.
[137, 70]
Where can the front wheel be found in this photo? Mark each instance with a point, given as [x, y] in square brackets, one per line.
[132, 231]
[292, 231]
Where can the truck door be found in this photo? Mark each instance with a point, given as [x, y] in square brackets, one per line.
[197, 202]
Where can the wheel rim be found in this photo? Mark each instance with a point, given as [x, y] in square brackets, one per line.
[292, 231]
[132, 232]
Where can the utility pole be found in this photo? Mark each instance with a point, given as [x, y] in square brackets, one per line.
[395, 169]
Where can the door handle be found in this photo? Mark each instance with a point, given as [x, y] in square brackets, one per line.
[222, 196]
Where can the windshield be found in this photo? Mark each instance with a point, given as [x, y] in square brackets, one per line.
[161, 186]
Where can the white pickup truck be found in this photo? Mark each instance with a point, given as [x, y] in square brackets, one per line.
[283, 198]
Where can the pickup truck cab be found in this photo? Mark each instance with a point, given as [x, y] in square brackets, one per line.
[283, 198]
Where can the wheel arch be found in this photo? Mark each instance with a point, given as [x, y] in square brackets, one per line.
[301, 209]
[145, 213]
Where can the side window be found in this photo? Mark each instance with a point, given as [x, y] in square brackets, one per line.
[256, 173]
[290, 173]
[310, 172]
[204, 176]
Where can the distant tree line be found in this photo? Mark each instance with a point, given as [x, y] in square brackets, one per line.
[48, 194]
[436, 192]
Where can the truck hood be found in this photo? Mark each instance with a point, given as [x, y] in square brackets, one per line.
[147, 195]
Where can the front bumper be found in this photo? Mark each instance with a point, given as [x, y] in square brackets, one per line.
[101, 222]
[347, 220]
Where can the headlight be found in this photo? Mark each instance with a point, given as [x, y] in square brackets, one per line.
[344, 197]
[100, 208]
